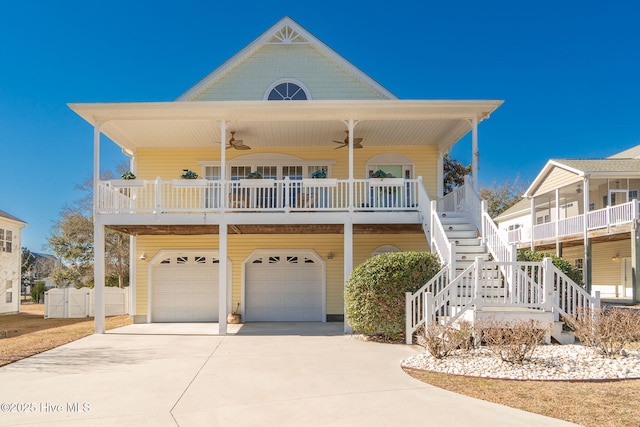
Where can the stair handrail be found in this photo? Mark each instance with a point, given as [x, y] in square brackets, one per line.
[446, 299]
[441, 243]
[425, 209]
[473, 202]
[570, 299]
[414, 315]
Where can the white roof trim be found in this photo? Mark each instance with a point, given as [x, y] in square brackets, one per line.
[545, 171]
[264, 39]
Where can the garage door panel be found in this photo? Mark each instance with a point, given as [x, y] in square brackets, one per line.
[185, 293]
[285, 289]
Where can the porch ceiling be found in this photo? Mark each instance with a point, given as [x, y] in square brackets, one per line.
[264, 124]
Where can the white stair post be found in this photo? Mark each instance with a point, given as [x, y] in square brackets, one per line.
[428, 309]
[408, 323]
[548, 284]
[478, 282]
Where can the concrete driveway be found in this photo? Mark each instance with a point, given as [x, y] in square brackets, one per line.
[264, 374]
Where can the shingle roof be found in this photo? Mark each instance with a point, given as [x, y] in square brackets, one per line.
[629, 153]
[3, 214]
[602, 165]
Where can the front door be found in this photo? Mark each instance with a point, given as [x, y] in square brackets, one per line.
[626, 280]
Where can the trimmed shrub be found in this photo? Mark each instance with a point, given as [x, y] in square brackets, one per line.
[561, 264]
[608, 332]
[441, 340]
[513, 341]
[374, 293]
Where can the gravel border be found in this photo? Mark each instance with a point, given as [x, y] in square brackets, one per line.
[548, 363]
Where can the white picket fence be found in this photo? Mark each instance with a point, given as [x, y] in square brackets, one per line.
[77, 303]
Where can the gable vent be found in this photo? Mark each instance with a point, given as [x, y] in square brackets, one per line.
[287, 35]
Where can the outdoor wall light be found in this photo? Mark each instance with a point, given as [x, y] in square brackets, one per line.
[330, 255]
[143, 256]
[615, 258]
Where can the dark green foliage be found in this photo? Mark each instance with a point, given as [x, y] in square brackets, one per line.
[562, 264]
[374, 294]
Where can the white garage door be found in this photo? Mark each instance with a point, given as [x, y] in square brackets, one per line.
[284, 286]
[185, 289]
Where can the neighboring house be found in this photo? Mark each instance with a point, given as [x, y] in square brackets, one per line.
[10, 263]
[605, 246]
[291, 109]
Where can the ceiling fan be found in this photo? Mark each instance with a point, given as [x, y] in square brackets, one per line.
[345, 143]
[238, 144]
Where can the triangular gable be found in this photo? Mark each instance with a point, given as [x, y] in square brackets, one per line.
[286, 52]
[553, 175]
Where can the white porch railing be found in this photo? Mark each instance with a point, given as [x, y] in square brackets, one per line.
[535, 285]
[264, 195]
[602, 218]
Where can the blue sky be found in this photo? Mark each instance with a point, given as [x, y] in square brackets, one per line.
[568, 71]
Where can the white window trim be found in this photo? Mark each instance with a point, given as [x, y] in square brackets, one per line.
[304, 88]
[390, 159]
[278, 160]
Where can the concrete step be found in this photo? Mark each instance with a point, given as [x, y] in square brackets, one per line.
[559, 334]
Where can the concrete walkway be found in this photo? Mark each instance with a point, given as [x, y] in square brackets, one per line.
[267, 374]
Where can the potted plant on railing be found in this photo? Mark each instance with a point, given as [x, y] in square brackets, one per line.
[188, 174]
[235, 316]
[254, 175]
[319, 174]
[127, 179]
[385, 188]
[127, 176]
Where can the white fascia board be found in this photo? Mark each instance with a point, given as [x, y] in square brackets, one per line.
[543, 174]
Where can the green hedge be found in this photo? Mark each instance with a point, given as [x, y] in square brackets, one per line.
[374, 294]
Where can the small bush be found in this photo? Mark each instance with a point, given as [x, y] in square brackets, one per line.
[512, 342]
[606, 331]
[440, 340]
[374, 293]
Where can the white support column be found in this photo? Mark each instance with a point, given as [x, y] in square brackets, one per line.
[348, 264]
[557, 226]
[351, 124]
[133, 269]
[222, 278]
[223, 163]
[475, 153]
[98, 240]
[98, 276]
[533, 219]
[586, 264]
[440, 175]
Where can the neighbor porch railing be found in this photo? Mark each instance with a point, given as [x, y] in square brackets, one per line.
[264, 195]
[603, 218]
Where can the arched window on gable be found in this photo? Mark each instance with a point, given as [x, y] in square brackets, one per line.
[287, 90]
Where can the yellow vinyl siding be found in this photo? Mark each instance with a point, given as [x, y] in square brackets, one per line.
[324, 79]
[604, 270]
[169, 163]
[241, 247]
